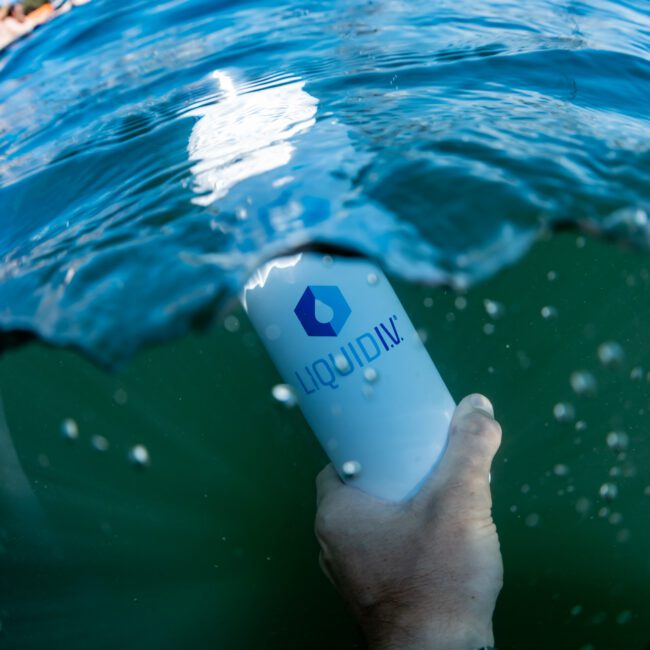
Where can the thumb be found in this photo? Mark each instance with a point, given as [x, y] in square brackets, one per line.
[474, 438]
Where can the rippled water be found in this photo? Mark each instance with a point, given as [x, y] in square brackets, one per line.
[151, 155]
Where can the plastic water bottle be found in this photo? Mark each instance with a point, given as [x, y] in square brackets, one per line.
[340, 337]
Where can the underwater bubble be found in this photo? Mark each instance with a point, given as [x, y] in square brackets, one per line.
[450, 317]
[367, 391]
[623, 536]
[581, 425]
[583, 505]
[548, 312]
[603, 512]
[120, 397]
[370, 375]
[583, 382]
[617, 440]
[533, 520]
[422, 334]
[285, 395]
[69, 429]
[646, 490]
[611, 353]
[231, 324]
[328, 260]
[581, 242]
[576, 610]
[525, 488]
[373, 279]
[351, 469]
[241, 213]
[493, 308]
[488, 328]
[551, 276]
[636, 374]
[624, 617]
[615, 471]
[561, 470]
[99, 443]
[139, 456]
[615, 518]
[608, 491]
[428, 302]
[564, 412]
[460, 303]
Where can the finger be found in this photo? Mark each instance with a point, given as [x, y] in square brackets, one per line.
[327, 483]
[474, 438]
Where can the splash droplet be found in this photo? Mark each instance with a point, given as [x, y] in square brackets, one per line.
[139, 456]
[285, 395]
[69, 429]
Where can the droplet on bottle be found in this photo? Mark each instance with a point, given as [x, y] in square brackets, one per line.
[99, 443]
[285, 395]
[351, 469]
[69, 429]
[583, 382]
[548, 312]
[373, 279]
[231, 324]
[139, 456]
[493, 308]
[341, 362]
[370, 375]
[611, 353]
[617, 440]
[608, 491]
[564, 412]
[367, 391]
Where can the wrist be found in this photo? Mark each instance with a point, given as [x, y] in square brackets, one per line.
[442, 635]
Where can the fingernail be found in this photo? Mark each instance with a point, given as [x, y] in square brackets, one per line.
[483, 403]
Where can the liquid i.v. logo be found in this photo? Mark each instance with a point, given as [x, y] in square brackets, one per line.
[322, 310]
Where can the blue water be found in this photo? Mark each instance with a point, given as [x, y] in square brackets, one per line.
[153, 154]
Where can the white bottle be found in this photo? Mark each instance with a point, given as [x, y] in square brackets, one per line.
[340, 337]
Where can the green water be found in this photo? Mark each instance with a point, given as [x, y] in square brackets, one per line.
[211, 546]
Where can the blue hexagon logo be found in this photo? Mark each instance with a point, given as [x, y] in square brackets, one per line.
[322, 310]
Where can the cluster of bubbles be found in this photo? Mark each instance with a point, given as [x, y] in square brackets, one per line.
[138, 455]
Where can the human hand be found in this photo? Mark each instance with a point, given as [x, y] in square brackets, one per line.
[424, 574]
